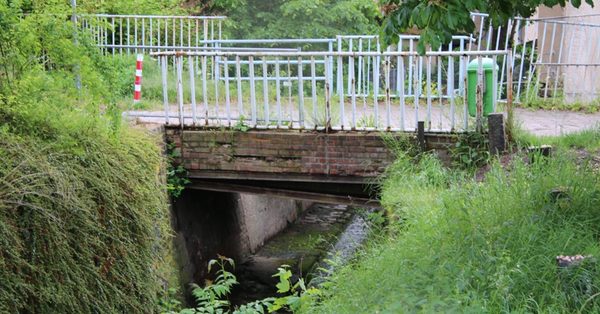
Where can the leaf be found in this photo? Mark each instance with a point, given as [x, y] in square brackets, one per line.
[283, 286]
[211, 263]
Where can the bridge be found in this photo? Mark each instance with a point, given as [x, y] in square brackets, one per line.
[334, 167]
[257, 122]
[305, 117]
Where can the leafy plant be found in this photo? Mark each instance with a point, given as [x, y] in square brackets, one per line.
[297, 295]
[241, 125]
[212, 298]
[169, 302]
[439, 20]
[176, 173]
[470, 151]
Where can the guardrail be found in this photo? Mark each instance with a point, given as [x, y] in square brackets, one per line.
[263, 95]
[555, 59]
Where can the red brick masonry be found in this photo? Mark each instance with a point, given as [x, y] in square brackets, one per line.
[358, 155]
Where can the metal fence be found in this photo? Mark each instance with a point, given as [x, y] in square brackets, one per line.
[555, 59]
[127, 34]
[254, 89]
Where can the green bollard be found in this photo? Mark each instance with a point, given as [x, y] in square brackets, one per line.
[488, 86]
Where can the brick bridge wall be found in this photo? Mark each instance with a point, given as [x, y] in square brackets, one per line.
[301, 156]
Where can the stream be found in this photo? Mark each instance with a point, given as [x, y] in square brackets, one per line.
[322, 232]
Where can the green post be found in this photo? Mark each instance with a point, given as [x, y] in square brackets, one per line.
[488, 86]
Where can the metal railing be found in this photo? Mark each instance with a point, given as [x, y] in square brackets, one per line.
[263, 95]
[127, 34]
[555, 58]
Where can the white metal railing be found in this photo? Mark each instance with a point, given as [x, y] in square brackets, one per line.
[127, 34]
[553, 58]
[269, 98]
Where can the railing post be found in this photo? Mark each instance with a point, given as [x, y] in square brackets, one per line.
[300, 94]
[179, 60]
[192, 88]
[163, 71]
[479, 94]
[252, 90]
[509, 99]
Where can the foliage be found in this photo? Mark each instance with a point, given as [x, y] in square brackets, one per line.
[241, 125]
[401, 144]
[470, 151]
[478, 247]
[297, 18]
[176, 173]
[212, 298]
[160, 7]
[588, 139]
[82, 203]
[298, 296]
[82, 212]
[439, 20]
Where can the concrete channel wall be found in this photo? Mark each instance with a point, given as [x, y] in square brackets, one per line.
[235, 225]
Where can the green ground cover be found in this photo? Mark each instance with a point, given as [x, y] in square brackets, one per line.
[458, 245]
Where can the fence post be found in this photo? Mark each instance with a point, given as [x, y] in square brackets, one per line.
[496, 134]
[509, 99]
[421, 135]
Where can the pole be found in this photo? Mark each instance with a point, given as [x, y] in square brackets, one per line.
[137, 90]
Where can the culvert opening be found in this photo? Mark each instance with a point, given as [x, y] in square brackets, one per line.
[261, 233]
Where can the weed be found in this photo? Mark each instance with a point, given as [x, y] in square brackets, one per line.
[212, 298]
[470, 151]
[477, 247]
[241, 125]
[176, 173]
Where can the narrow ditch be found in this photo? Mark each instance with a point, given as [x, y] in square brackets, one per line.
[262, 233]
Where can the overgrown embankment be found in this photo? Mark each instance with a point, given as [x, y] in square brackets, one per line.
[458, 245]
[82, 213]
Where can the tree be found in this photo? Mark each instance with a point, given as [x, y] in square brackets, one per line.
[440, 19]
[296, 18]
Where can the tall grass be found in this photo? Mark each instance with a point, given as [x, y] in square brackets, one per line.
[83, 215]
[456, 245]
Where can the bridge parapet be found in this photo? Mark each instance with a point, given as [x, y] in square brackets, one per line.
[288, 155]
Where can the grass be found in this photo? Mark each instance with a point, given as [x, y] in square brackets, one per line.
[532, 98]
[83, 215]
[587, 139]
[457, 245]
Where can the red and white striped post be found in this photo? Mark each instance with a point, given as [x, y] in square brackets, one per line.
[137, 89]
